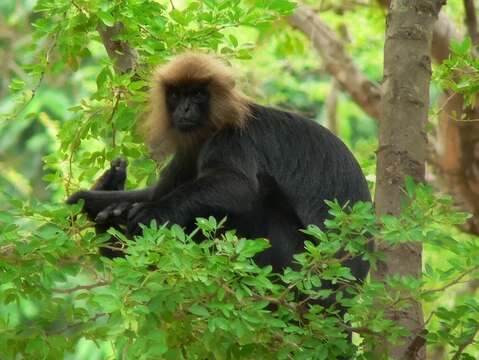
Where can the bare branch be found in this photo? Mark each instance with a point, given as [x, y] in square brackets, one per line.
[444, 32]
[338, 63]
[416, 345]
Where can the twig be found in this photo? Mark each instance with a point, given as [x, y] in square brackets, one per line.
[453, 282]
[75, 325]
[82, 287]
[41, 77]
[465, 344]
[110, 119]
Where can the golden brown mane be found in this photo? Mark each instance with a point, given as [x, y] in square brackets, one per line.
[228, 107]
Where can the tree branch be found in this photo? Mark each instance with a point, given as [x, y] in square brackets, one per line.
[338, 63]
[125, 57]
[452, 282]
[82, 287]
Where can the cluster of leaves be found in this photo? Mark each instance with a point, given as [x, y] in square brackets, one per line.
[460, 72]
[170, 297]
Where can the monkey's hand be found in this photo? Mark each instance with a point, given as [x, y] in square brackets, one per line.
[115, 213]
[95, 203]
[143, 213]
[112, 179]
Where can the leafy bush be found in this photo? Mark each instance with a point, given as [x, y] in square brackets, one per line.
[171, 298]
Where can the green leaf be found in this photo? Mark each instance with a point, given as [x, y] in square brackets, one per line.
[410, 186]
[199, 310]
[179, 17]
[106, 18]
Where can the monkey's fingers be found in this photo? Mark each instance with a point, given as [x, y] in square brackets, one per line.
[140, 213]
[114, 178]
[119, 164]
[114, 213]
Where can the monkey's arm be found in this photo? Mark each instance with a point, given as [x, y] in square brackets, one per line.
[220, 188]
[114, 178]
[109, 206]
[97, 200]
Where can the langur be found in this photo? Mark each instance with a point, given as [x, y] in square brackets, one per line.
[267, 171]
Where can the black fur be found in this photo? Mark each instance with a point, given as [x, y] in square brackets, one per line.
[270, 179]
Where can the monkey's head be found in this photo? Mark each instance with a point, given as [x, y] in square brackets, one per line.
[192, 97]
[188, 106]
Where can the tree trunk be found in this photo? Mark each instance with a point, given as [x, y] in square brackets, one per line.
[456, 146]
[402, 145]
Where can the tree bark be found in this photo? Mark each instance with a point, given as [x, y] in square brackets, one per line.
[402, 146]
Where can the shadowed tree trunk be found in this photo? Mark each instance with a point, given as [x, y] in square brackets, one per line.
[402, 146]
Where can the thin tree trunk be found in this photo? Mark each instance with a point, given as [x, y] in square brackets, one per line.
[471, 21]
[332, 106]
[402, 146]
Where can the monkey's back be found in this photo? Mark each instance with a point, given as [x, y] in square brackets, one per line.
[308, 163]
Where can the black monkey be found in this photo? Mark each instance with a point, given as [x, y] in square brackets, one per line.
[267, 170]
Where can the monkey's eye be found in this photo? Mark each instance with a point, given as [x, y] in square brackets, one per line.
[199, 93]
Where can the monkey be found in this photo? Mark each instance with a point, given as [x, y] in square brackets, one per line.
[266, 170]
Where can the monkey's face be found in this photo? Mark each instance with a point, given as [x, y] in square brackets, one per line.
[188, 106]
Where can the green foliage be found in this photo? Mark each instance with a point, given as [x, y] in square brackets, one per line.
[460, 72]
[171, 297]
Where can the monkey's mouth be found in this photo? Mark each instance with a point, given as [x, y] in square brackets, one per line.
[186, 126]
